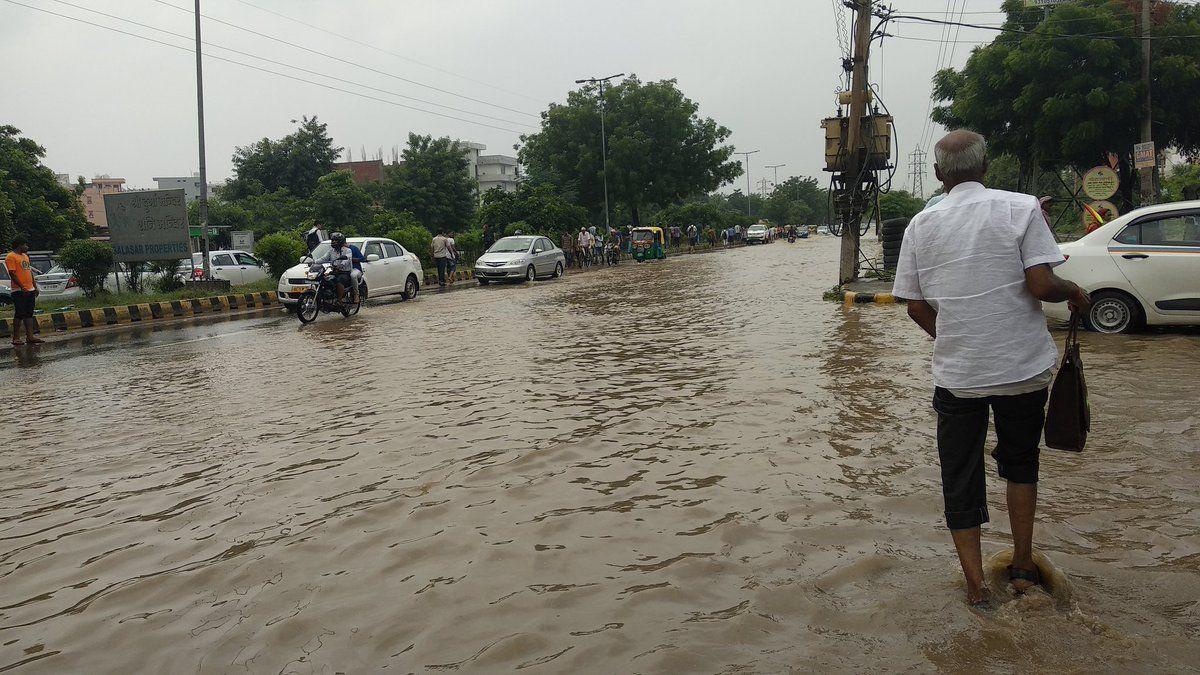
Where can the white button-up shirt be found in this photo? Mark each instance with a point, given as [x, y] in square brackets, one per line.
[966, 256]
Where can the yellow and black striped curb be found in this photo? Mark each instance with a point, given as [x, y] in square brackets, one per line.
[144, 312]
[854, 298]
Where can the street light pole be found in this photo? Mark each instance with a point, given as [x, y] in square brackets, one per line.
[746, 163]
[776, 167]
[603, 137]
[203, 170]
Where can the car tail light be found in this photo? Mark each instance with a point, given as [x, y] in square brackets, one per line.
[72, 282]
[198, 273]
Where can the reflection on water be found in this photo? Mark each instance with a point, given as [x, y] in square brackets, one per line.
[687, 466]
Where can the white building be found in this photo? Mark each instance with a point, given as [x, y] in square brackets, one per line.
[190, 185]
[500, 171]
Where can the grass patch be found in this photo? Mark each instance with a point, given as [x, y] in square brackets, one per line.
[120, 299]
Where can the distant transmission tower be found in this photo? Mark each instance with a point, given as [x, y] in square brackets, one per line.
[916, 172]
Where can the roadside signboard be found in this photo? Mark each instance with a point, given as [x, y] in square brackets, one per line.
[1144, 156]
[242, 240]
[1100, 183]
[147, 225]
[1106, 211]
[196, 232]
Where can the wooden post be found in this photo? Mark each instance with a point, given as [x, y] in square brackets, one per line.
[848, 269]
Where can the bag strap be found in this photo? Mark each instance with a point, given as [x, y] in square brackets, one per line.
[1073, 331]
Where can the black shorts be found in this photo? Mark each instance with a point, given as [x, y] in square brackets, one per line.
[22, 304]
[961, 433]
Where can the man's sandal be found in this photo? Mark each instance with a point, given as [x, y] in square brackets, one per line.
[1033, 576]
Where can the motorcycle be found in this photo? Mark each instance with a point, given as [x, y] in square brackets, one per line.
[322, 295]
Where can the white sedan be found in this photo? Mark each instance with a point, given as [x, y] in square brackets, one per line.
[389, 269]
[1140, 269]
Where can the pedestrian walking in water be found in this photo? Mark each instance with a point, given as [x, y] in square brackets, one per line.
[452, 248]
[973, 268]
[24, 291]
[441, 256]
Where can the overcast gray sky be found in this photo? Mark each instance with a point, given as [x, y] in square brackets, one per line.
[106, 103]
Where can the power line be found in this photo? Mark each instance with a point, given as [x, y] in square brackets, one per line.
[264, 70]
[388, 52]
[1104, 35]
[346, 61]
[295, 67]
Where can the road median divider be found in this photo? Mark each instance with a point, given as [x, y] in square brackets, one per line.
[146, 312]
[858, 298]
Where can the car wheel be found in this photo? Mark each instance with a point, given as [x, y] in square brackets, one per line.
[1113, 312]
[410, 287]
[483, 282]
[558, 270]
[530, 274]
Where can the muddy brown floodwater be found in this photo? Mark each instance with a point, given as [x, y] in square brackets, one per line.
[693, 466]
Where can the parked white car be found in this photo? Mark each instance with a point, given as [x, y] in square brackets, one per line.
[236, 267]
[1140, 269]
[758, 233]
[389, 269]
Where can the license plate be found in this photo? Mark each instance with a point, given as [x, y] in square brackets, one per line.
[299, 289]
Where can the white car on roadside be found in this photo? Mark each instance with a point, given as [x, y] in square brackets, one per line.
[520, 258]
[389, 269]
[236, 267]
[1140, 269]
[758, 233]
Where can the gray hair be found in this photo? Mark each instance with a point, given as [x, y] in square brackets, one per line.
[961, 154]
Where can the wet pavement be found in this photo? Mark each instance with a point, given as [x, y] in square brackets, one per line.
[692, 466]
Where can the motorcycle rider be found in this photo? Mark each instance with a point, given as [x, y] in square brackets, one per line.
[342, 260]
[356, 273]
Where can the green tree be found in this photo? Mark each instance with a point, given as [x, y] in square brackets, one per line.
[415, 239]
[542, 210]
[295, 163]
[432, 184]
[1182, 182]
[89, 262]
[798, 200]
[1052, 101]
[659, 149]
[279, 251]
[899, 204]
[341, 204]
[32, 203]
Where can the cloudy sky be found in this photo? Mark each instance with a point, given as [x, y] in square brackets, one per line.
[105, 102]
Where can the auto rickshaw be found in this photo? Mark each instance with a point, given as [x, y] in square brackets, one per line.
[649, 243]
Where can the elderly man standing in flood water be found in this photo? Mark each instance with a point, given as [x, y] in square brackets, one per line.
[973, 268]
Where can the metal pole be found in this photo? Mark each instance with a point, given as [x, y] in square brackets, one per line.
[1147, 176]
[604, 156]
[203, 168]
[776, 168]
[746, 163]
[848, 266]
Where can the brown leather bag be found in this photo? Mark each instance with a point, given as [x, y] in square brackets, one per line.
[1068, 417]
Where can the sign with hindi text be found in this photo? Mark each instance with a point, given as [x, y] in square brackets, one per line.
[147, 225]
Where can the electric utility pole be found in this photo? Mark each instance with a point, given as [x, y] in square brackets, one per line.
[856, 125]
[603, 137]
[203, 169]
[1147, 175]
[746, 164]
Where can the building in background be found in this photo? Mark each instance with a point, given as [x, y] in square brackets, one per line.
[93, 199]
[64, 179]
[497, 171]
[364, 171]
[189, 184]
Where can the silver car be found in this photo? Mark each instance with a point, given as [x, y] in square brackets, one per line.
[521, 258]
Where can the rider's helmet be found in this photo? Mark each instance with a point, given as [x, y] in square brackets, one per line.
[337, 239]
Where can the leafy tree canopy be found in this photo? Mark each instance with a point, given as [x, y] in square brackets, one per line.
[432, 184]
[659, 149]
[1052, 101]
[899, 204]
[798, 201]
[341, 204]
[542, 210]
[295, 163]
[32, 203]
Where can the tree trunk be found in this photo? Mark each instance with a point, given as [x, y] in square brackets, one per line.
[637, 221]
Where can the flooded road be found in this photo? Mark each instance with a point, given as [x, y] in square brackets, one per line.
[693, 466]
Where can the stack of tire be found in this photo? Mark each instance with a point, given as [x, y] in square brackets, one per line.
[891, 234]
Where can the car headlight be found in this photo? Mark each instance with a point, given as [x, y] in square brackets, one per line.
[520, 261]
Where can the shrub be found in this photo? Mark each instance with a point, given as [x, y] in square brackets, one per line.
[135, 281]
[89, 261]
[280, 252]
[415, 239]
[167, 279]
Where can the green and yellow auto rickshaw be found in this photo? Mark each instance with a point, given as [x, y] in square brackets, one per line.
[649, 243]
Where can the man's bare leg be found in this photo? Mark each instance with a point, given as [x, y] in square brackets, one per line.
[1022, 504]
[29, 326]
[970, 556]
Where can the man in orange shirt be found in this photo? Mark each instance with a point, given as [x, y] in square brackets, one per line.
[24, 291]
